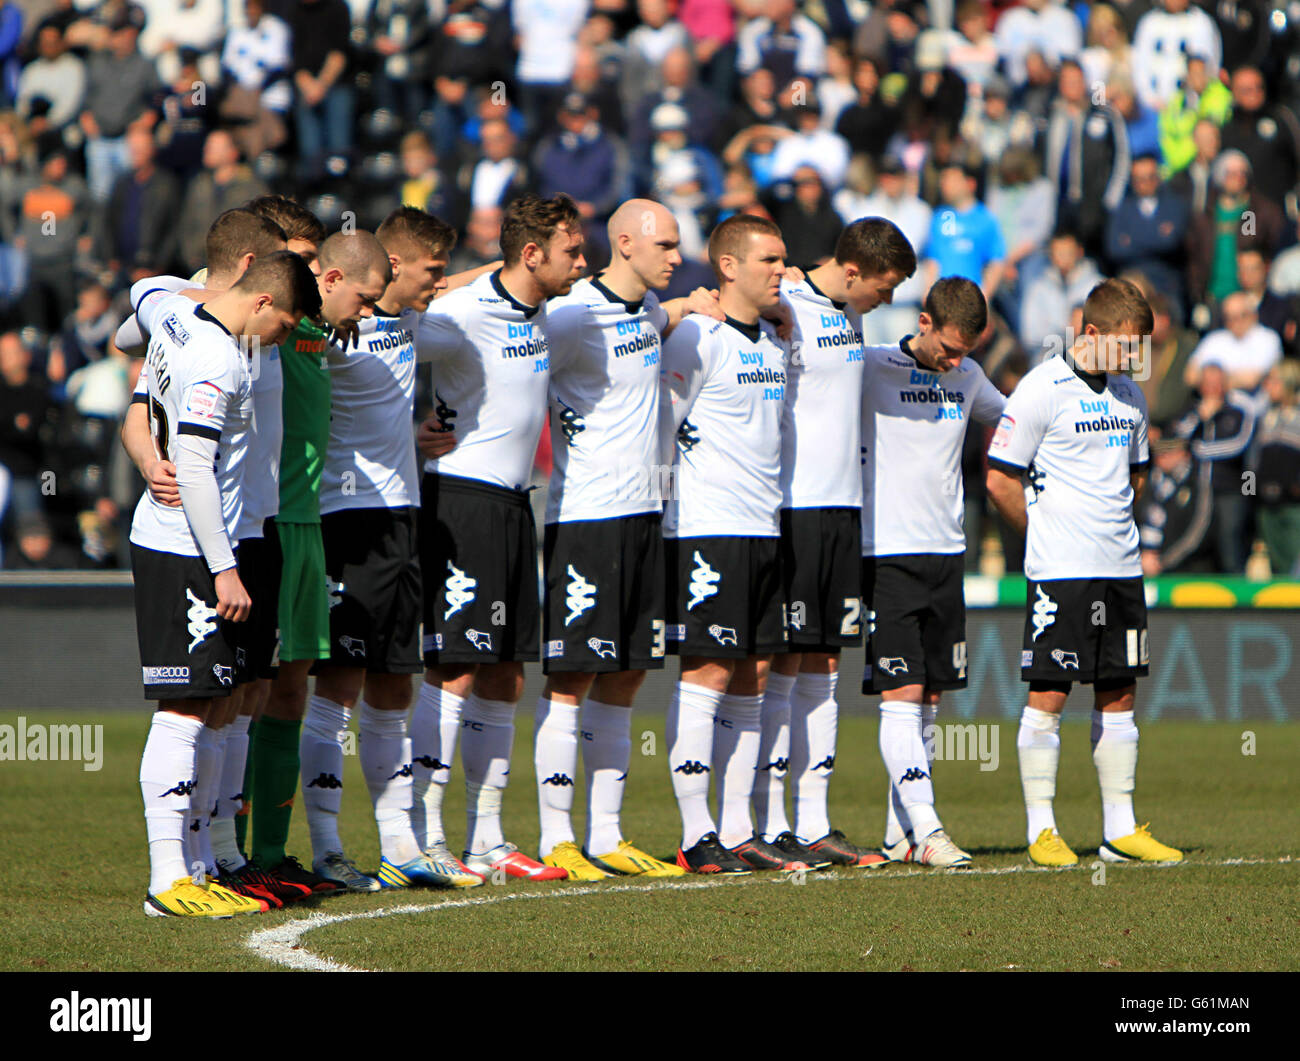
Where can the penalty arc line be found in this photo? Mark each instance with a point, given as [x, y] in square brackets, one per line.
[281, 946]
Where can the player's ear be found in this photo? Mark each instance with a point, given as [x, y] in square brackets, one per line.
[924, 322]
[395, 264]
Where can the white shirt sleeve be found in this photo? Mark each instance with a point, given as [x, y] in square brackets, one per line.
[437, 335]
[682, 374]
[1021, 429]
[1139, 453]
[988, 403]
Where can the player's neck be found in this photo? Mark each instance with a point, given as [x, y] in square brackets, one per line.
[1082, 357]
[519, 284]
[390, 305]
[736, 306]
[620, 280]
[829, 280]
[230, 309]
[219, 282]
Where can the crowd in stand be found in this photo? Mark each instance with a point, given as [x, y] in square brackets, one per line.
[1033, 148]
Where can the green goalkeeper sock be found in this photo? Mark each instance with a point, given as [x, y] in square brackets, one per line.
[241, 819]
[274, 757]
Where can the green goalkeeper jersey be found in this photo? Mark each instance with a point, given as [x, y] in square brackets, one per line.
[306, 423]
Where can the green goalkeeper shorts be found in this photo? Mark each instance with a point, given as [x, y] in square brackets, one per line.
[304, 593]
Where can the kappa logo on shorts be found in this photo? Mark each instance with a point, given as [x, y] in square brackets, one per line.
[1065, 660]
[892, 664]
[353, 646]
[225, 675]
[704, 581]
[335, 591]
[555, 649]
[581, 595]
[604, 649]
[458, 590]
[201, 618]
[480, 639]
[723, 635]
[1044, 612]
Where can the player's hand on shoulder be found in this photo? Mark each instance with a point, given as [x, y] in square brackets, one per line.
[432, 440]
[233, 602]
[160, 476]
[794, 274]
[346, 335]
[704, 302]
[783, 317]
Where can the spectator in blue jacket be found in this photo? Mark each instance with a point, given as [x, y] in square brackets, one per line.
[1147, 232]
[965, 239]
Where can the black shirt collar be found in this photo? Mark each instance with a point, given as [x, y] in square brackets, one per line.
[752, 332]
[838, 305]
[1096, 381]
[201, 311]
[633, 308]
[497, 286]
[906, 347]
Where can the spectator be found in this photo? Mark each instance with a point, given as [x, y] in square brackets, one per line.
[670, 125]
[836, 90]
[868, 123]
[680, 89]
[120, 84]
[481, 244]
[810, 144]
[55, 75]
[786, 42]
[498, 177]
[1274, 311]
[258, 93]
[1086, 157]
[547, 32]
[1023, 203]
[224, 183]
[964, 236]
[35, 548]
[1219, 428]
[1054, 293]
[25, 409]
[399, 32]
[1141, 123]
[1165, 36]
[934, 88]
[1042, 26]
[1236, 218]
[711, 25]
[89, 331]
[173, 26]
[425, 186]
[809, 222]
[11, 43]
[1164, 386]
[583, 160]
[1284, 274]
[320, 30]
[1275, 459]
[1266, 133]
[1176, 511]
[992, 128]
[893, 199]
[472, 47]
[590, 80]
[1243, 348]
[757, 106]
[184, 118]
[1148, 232]
[137, 233]
[646, 48]
[1108, 53]
[1195, 180]
[1035, 97]
[972, 50]
[739, 193]
[1198, 98]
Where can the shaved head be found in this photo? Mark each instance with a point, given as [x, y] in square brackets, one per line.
[640, 217]
[643, 239]
[357, 255]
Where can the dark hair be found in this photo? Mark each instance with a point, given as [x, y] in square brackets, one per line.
[1114, 303]
[297, 221]
[876, 246]
[411, 231]
[960, 302]
[239, 232]
[731, 236]
[531, 219]
[287, 279]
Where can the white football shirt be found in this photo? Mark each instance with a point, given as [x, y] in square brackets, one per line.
[491, 367]
[914, 423]
[1079, 446]
[199, 383]
[820, 425]
[370, 461]
[726, 389]
[604, 404]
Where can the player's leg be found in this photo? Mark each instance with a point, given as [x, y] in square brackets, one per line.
[1038, 745]
[770, 815]
[435, 725]
[555, 762]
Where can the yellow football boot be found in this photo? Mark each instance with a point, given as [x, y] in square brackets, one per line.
[628, 861]
[1139, 846]
[566, 856]
[1050, 850]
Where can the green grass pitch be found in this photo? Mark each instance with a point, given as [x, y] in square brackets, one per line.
[75, 873]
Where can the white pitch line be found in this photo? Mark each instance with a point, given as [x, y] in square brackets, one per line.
[281, 945]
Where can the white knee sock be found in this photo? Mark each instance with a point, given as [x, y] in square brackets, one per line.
[1039, 746]
[320, 749]
[230, 795]
[689, 732]
[814, 726]
[435, 722]
[773, 757]
[1115, 754]
[207, 780]
[166, 784]
[735, 761]
[487, 737]
[903, 750]
[555, 757]
[606, 732]
[386, 763]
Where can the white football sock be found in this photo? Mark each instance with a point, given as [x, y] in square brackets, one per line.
[735, 761]
[435, 722]
[897, 824]
[689, 732]
[773, 757]
[230, 795]
[386, 763]
[606, 731]
[207, 779]
[555, 757]
[320, 749]
[166, 784]
[814, 726]
[903, 750]
[485, 746]
[1115, 754]
[1039, 746]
